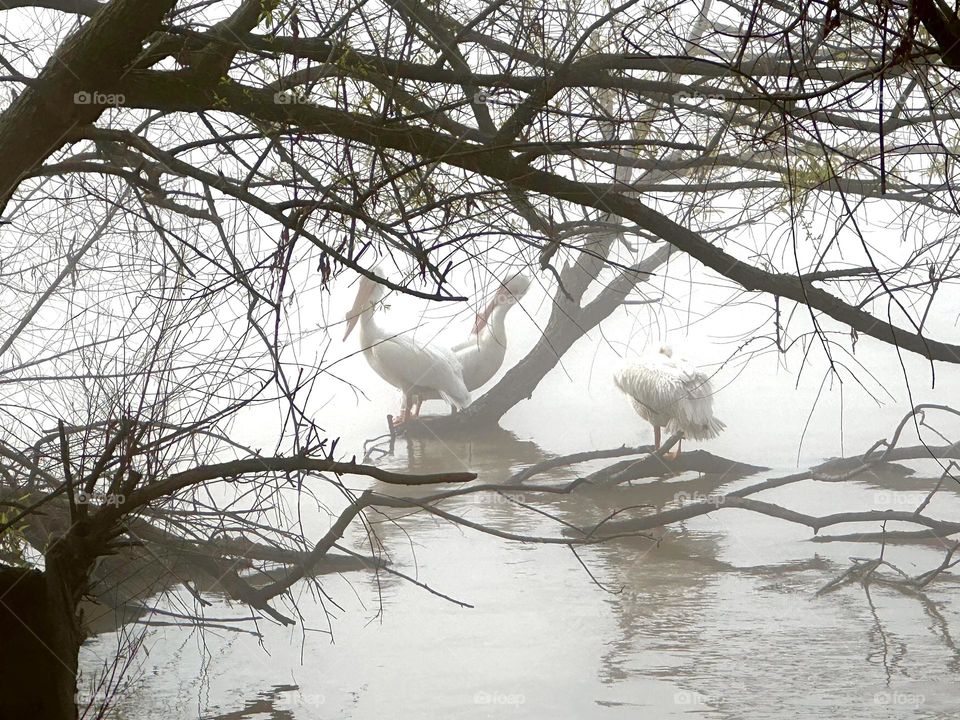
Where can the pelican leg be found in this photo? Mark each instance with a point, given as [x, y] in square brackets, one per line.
[676, 453]
[419, 404]
[656, 437]
[404, 410]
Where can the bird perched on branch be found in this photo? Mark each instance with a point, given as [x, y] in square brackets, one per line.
[671, 393]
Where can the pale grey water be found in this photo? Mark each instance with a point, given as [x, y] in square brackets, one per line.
[720, 621]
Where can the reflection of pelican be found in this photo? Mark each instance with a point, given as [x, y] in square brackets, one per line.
[481, 355]
[399, 360]
[672, 393]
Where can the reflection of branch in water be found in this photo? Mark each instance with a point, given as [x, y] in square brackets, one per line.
[940, 624]
[831, 471]
[891, 536]
[392, 571]
[427, 504]
[866, 571]
[491, 450]
[927, 577]
[264, 704]
[592, 576]
[879, 632]
[861, 570]
[112, 679]
[381, 445]
[946, 473]
[738, 500]
[506, 448]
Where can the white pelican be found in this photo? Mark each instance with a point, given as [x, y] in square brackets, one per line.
[399, 360]
[672, 393]
[481, 354]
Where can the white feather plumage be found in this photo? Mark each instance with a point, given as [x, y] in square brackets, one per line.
[403, 362]
[671, 393]
[406, 365]
[481, 355]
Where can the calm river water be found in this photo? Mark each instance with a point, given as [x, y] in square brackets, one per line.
[718, 621]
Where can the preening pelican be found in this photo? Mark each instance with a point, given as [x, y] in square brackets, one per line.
[671, 393]
[399, 360]
[481, 354]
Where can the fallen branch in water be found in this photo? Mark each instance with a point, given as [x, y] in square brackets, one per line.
[866, 571]
[832, 471]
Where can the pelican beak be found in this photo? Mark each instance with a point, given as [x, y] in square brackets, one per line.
[351, 323]
[484, 317]
[360, 305]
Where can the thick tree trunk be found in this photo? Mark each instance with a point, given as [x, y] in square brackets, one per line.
[521, 380]
[568, 323]
[67, 93]
[41, 639]
[570, 319]
[40, 627]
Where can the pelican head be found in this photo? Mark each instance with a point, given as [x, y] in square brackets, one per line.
[369, 293]
[666, 350]
[508, 294]
[518, 285]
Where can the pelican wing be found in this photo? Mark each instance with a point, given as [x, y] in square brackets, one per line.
[654, 389]
[694, 407]
[407, 364]
[673, 394]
